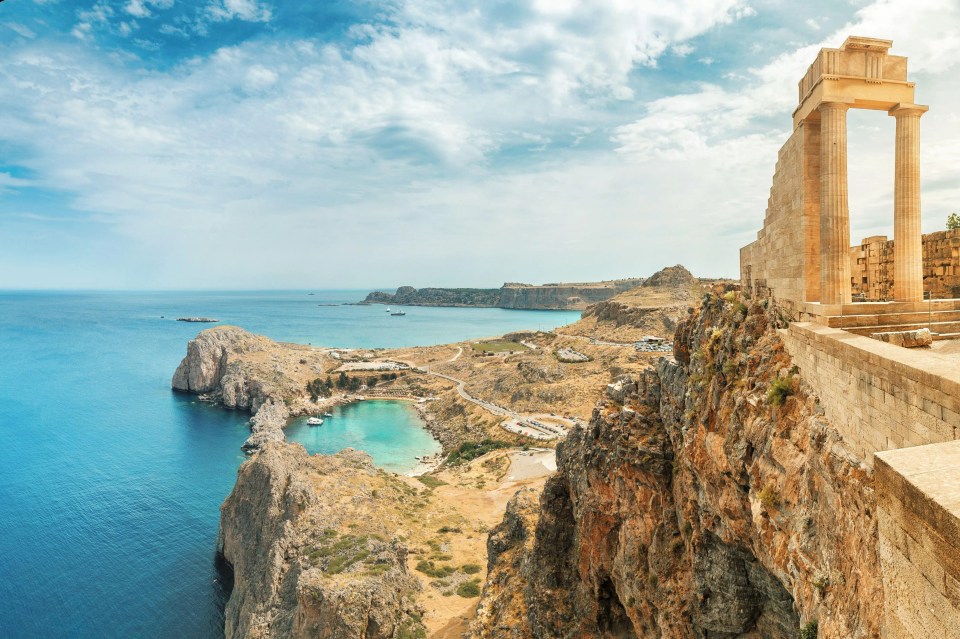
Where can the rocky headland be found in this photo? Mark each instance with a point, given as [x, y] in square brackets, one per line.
[558, 296]
[655, 308]
[306, 566]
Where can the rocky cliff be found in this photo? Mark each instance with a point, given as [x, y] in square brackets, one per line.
[249, 372]
[655, 308]
[308, 559]
[708, 498]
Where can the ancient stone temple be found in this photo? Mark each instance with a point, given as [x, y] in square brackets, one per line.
[803, 251]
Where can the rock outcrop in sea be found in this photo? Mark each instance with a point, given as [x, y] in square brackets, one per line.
[213, 366]
[706, 498]
[309, 558]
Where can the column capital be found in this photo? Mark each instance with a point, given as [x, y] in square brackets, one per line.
[840, 104]
[908, 110]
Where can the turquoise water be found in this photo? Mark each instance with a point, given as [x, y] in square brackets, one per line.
[390, 431]
[110, 484]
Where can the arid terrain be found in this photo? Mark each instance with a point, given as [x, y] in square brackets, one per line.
[432, 528]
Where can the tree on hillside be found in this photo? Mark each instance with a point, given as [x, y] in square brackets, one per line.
[953, 222]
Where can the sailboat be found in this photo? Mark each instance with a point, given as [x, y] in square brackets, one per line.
[315, 421]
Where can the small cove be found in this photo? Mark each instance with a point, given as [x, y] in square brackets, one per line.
[390, 431]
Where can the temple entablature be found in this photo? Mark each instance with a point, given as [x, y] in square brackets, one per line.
[860, 73]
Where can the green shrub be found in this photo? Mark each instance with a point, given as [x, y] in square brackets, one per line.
[430, 569]
[430, 481]
[769, 496]
[780, 390]
[471, 450]
[469, 589]
[471, 569]
[808, 630]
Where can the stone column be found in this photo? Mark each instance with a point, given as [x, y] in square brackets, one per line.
[834, 205]
[907, 242]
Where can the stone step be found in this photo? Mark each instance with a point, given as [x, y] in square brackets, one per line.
[935, 327]
[824, 311]
[853, 321]
[944, 336]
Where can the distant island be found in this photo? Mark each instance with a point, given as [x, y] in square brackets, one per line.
[197, 319]
[555, 296]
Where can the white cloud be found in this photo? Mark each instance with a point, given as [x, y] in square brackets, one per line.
[21, 29]
[249, 10]
[404, 140]
[137, 8]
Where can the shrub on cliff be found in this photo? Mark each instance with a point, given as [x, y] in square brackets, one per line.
[780, 390]
[809, 630]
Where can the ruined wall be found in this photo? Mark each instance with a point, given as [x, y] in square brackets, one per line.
[878, 396]
[785, 258]
[871, 266]
[919, 528]
[941, 264]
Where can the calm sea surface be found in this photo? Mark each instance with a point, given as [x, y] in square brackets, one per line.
[110, 484]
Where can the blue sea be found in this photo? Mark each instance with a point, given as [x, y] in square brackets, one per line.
[110, 484]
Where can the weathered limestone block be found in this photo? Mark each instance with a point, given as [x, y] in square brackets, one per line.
[907, 339]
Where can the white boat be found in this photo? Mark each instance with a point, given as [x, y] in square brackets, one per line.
[398, 313]
[314, 421]
[388, 309]
[328, 414]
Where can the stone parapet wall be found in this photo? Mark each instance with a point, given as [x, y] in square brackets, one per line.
[899, 411]
[918, 499]
[878, 396]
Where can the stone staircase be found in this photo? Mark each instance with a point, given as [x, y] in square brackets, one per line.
[942, 317]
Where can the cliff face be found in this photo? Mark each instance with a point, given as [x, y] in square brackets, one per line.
[515, 296]
[693, 506]
[207, 368]
[309, 565]
[248, 372]
[561, 296]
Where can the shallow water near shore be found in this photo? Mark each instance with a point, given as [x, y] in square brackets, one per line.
[110, 484]
[390, 431]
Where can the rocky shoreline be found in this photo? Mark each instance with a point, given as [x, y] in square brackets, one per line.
[214, 369]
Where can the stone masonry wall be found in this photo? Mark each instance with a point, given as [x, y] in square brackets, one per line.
[879, 396]
[900, 412]
[919, 540]
[871, 266]
[784, 260]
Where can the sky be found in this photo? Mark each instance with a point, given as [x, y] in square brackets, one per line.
[289, 144]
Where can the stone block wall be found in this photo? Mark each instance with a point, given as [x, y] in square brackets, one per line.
[784, 260]
[899, 411]
[871, 266]
[941, 264]
[878, 396]
[918, 501]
